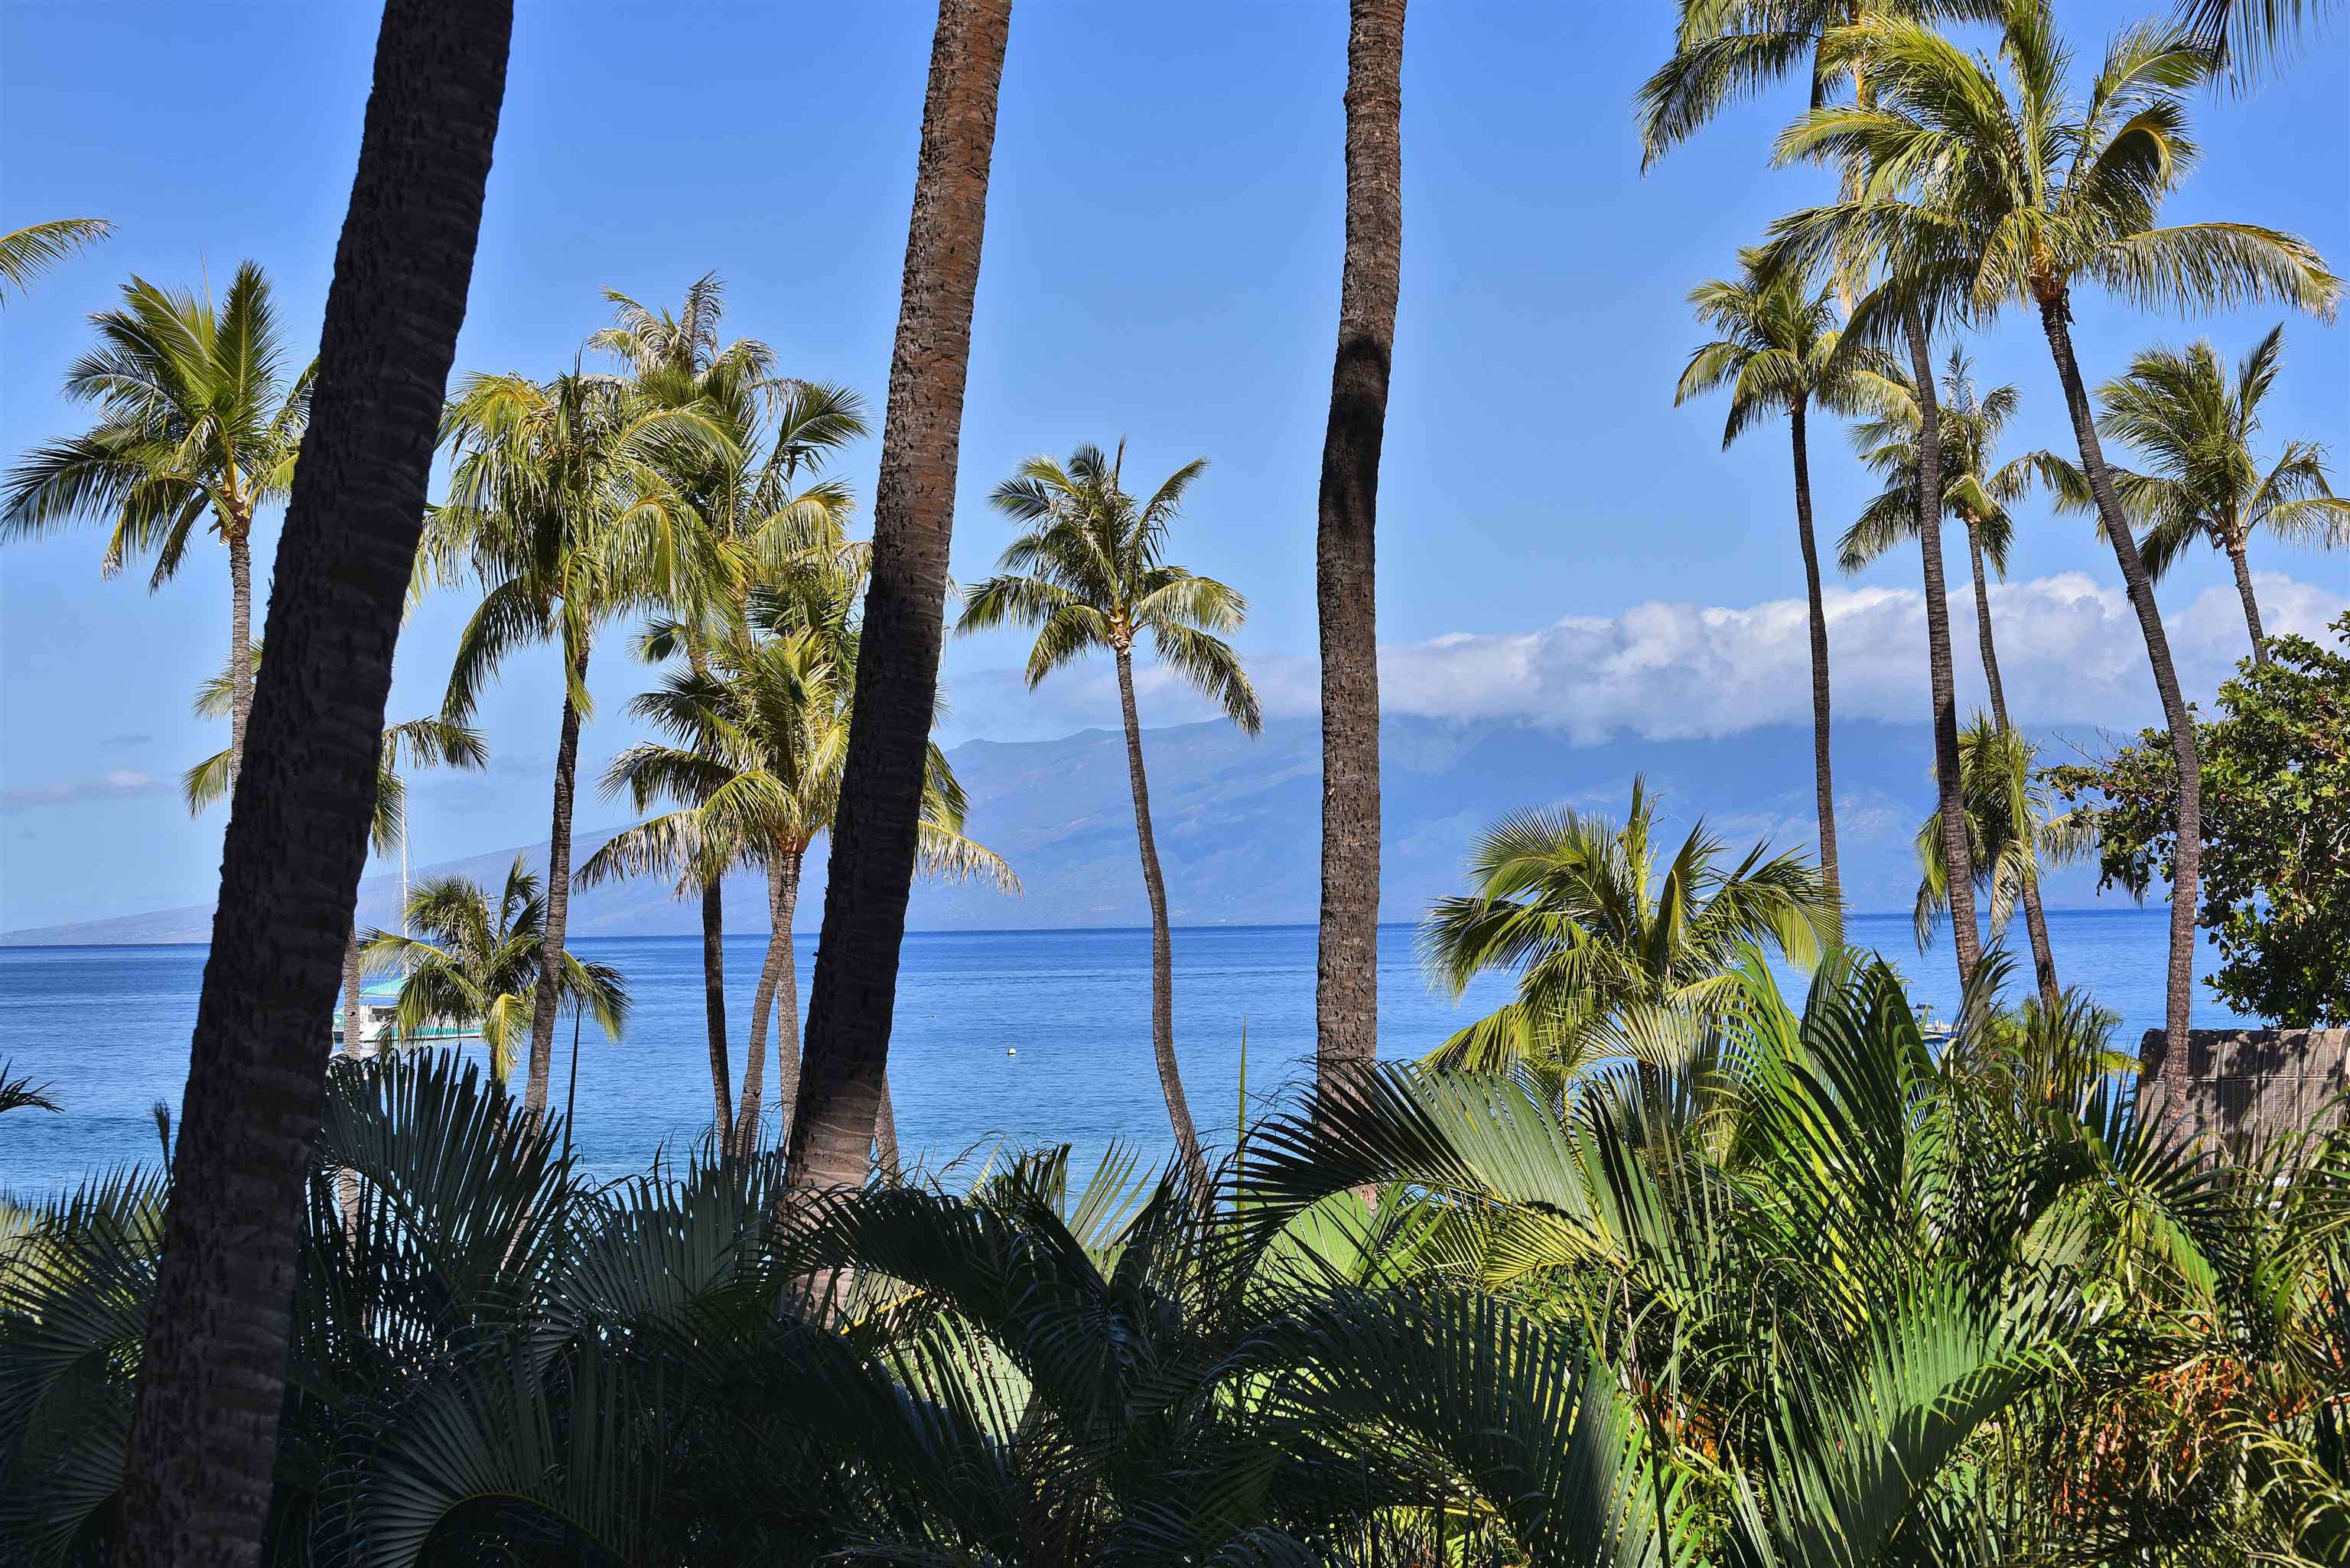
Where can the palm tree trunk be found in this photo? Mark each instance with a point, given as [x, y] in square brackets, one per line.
[1347, 960]
[203, 1436]
[347, 1185]
[779, 991]
[713, 999]
[885, 1133]
[240, 648]
[2251, 605]
[1162, 941]
[2035, 917]
[2186, 856]
[548, 996]
[877, 830]
[1950, 795]
[1822, 781]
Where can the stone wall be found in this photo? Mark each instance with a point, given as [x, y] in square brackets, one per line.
[2249, 1085]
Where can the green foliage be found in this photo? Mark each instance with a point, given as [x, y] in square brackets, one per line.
[2276, 829]
[2010, 827]
[27, 253]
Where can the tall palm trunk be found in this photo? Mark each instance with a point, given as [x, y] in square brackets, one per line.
[2035, 918]
[203, 1436]
[1822, 780]
[2187, 861]
[548, 996]
[1347, 959]
[778, 992]
[2252, 604]
[713, 1000]
[240, 646]
[1163, 940]
[1942, 676]
[885, 1133]
[877, 831]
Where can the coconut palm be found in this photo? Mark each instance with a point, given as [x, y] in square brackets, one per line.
[197, 417]
[563, 504]
[1346, 544]
[197, 1470]
[2196, 426]
[1978, 496]
[429, 741]
[475, 961]
[1994, 185]
[1091, 574]
[2008, 829]
[750, 497]
[759, 731]
[1778, 352]
[28, 251]
[1612, 959]
[877, 843]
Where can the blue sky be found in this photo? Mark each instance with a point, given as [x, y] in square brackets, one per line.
[1162, 263]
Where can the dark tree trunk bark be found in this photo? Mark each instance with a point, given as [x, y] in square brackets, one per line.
[1162, 941]
[885, 1133]
[713, 1001]
[2187, 863]
[1346, 961]
[2252, 604]
[546, 999]
[876, 831]
[2035, 918]
[779, 991]
[1822, 778]
[1956, 859]
[240, 648]
[212, 1375]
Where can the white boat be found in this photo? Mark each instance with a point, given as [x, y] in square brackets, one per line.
[378, 1004]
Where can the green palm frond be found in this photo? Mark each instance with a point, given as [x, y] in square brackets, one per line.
[27, 253]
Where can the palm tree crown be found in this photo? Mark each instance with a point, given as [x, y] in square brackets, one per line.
[1089, 575]
[479, 962]
[1973, 492]
[1611, 959]
[1778, 346]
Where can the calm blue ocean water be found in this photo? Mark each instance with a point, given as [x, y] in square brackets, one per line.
[108, 1029]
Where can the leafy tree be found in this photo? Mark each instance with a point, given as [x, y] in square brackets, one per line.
[1978, 496]
[876, 840]
[1091, 575]
[1612, 959]
[1778, 352]
[197, 416]
[562, 505]
[28, 251]
[2275, 895]
[1997, 186]
[478, 963]
[2181, 410]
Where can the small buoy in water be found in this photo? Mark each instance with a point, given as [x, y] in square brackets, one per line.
[1008, 1051]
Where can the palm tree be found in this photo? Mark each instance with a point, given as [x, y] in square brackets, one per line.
[198, 1466]
[429, 741]
[2180, 410]
[1091, 574]
[1978, 496]
[1726, 49]
[876, 836]
[476, 963]
[2002, 191]
[1778, 352]
[197, 416]
[1611, 959]
[749, 497]
[2247, 35]
[28, 251]
[759, 733]
[561, 503]
[2009, 826]
[1346, 544]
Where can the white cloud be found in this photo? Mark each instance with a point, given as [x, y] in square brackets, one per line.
[2069, 648]
[114, 784]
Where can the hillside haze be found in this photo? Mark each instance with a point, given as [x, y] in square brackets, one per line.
[1238, 823]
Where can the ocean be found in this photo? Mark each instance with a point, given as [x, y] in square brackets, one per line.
[1029, 1037]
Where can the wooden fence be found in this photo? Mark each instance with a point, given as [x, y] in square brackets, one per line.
[2248, 1086]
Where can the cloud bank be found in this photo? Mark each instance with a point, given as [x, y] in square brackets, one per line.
[2069, 651]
